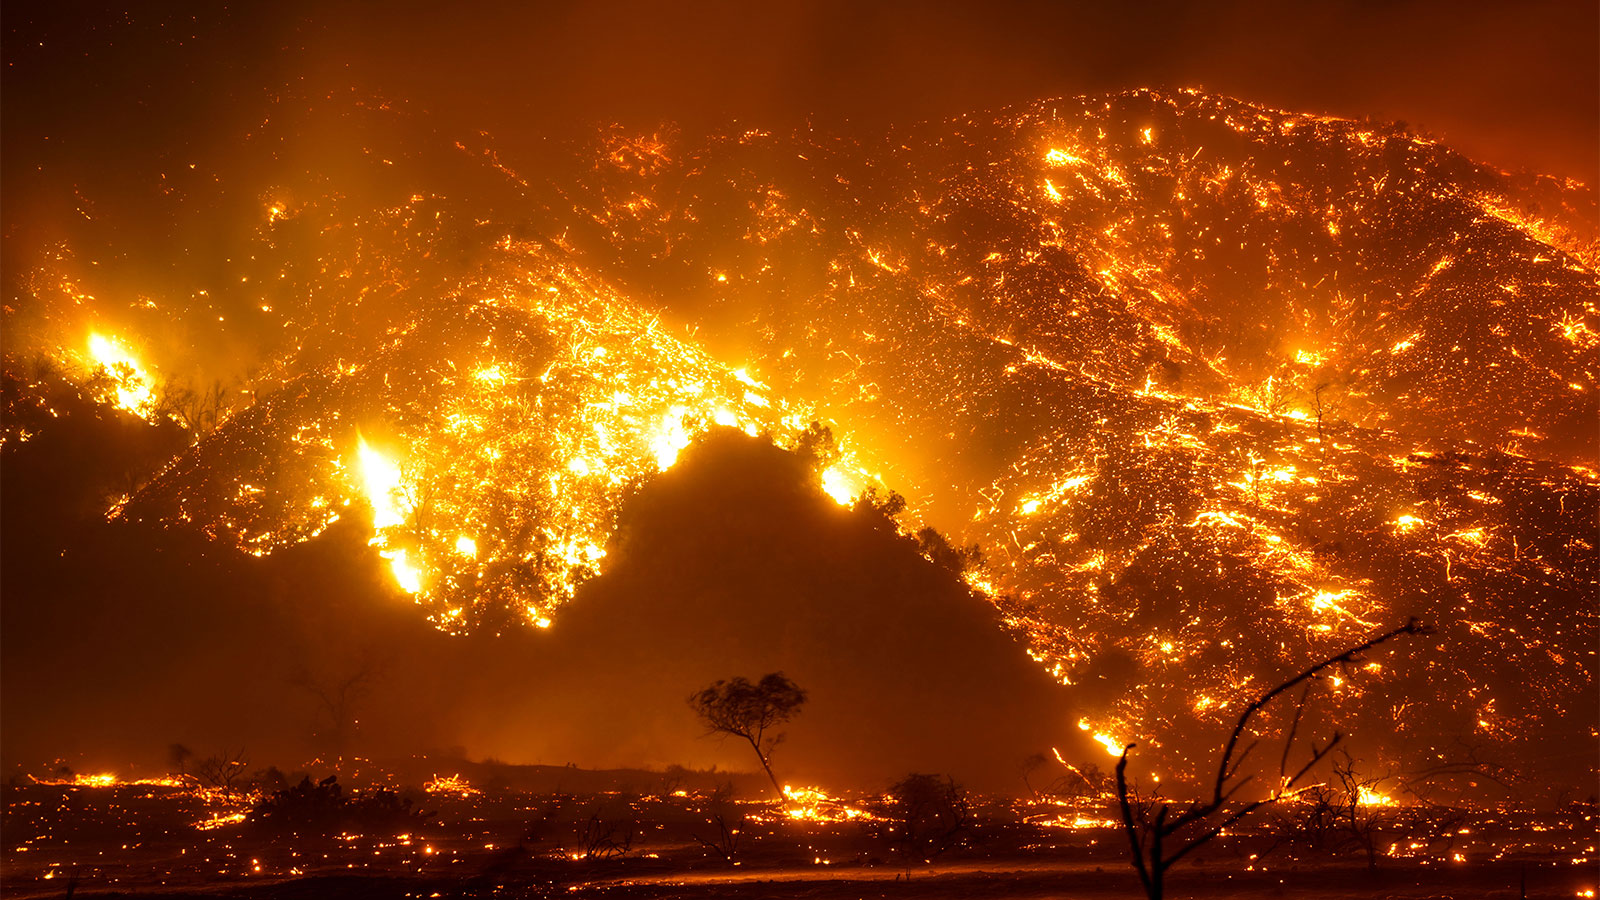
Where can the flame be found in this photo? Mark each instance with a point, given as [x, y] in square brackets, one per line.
[1366, 796]
[380, 478]
[669, 438]
[453, 785]
[107, 779]
[1407, 522]
[1112, 746]
[406, 575]
[381, 483]
[836, 484]
[219, 820]
[131, 382]
[811, 804]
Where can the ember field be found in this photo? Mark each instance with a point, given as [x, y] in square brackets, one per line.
[150, 840]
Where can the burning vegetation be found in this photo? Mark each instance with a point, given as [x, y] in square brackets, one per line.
[1199, 391]
[1214, 387]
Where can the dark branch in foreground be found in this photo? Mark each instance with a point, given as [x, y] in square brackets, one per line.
[1209, 818]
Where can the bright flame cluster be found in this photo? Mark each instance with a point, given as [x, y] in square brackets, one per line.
[131, 385]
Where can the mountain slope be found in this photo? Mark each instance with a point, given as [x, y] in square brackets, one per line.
[1220, 389]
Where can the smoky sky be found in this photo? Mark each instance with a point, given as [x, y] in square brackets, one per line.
[1510, 84]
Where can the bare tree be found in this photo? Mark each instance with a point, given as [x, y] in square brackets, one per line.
[750, 711]
[925, 816]
[1356, 809]
[607, 831]
[1159, 839]
[223, 771]
[338, 698]
[178, 756]
[1356, 813]
[605, 838]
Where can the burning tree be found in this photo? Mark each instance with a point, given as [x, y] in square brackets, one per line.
[737, 707]
[1153, 830]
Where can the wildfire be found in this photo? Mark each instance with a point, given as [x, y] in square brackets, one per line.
[1036, 336]
[131, 384]
[380, 477]
[1112, 746]
[108, 780]
[1072, 822]
[1368, 797]
[381, 481]
[810, 804]
[453, 785]
[836, 484]
[219, 820]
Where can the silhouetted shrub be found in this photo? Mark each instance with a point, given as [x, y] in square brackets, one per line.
[325, 807]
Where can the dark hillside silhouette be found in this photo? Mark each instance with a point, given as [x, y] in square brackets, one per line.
[731, 561]
[734, 561]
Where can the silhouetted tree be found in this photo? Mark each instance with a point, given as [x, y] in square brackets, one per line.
[338, 698]
[199, 411]
[887, 504]
[816, 445]
[606, 828]
[223, 771]
[1356, 813]
[1361, 811]
[938, 549]
[178, 756]
[1153, 830]
[750, 711]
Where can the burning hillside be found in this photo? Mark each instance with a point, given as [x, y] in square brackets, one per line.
[1217, 388]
